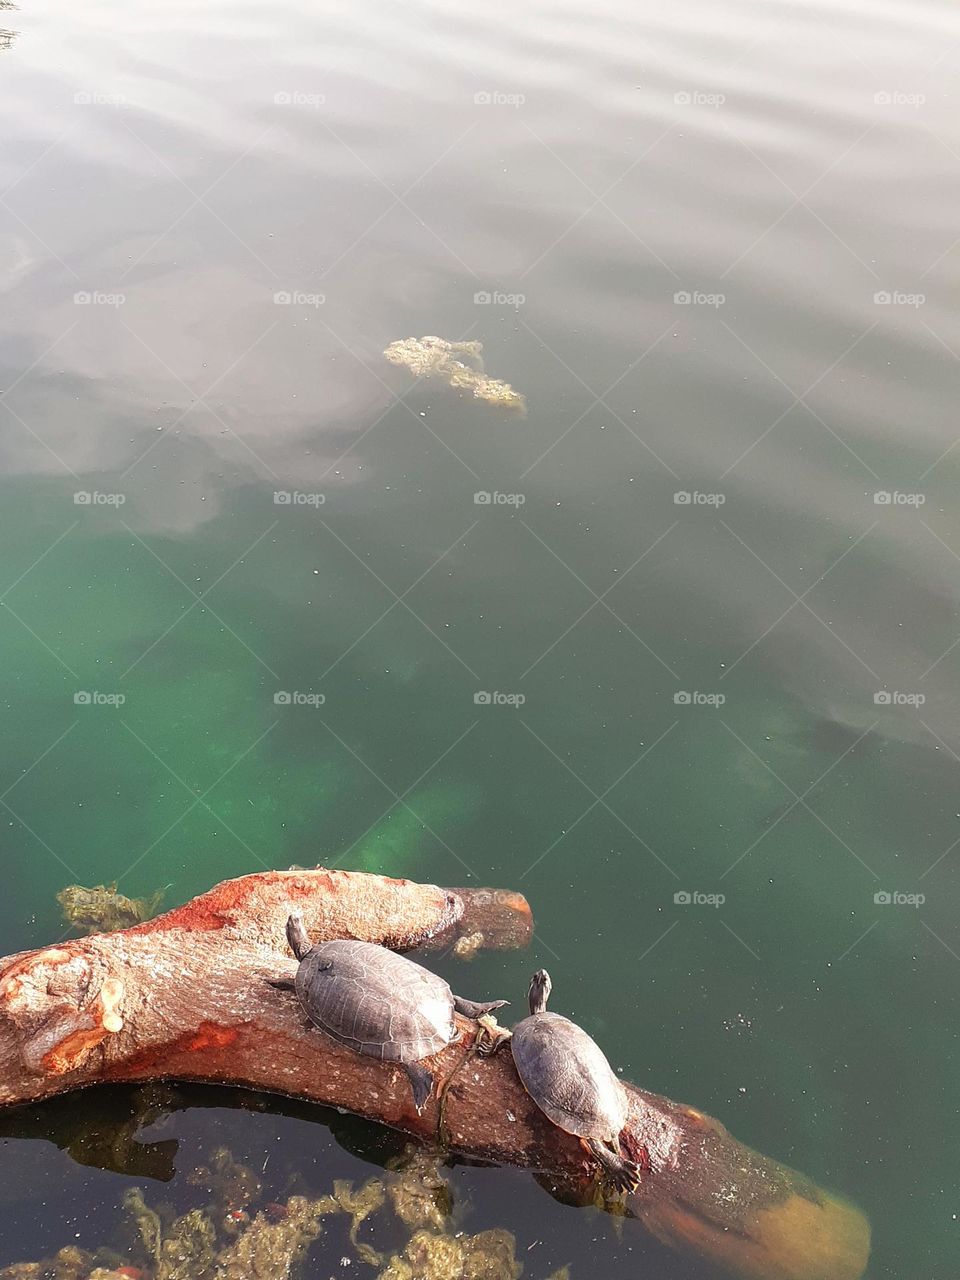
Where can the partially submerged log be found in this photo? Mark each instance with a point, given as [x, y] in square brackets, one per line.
[187, 996]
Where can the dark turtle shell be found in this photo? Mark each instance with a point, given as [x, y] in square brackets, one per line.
[568, 1077]
[375, 1001]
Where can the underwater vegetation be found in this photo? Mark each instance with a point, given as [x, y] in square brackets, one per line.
[238, 1235]
[458, 364]
[102, 909]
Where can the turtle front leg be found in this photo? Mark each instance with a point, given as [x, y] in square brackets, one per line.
[624, 1174]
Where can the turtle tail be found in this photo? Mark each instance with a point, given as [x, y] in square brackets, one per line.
[300, 943]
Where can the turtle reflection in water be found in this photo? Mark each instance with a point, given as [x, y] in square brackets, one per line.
[569, 1078]
[378, 1003]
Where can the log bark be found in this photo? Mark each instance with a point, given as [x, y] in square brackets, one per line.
[187, 996]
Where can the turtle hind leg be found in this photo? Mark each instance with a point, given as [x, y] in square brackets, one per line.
[421, 1082]
[476, 1009]
[282, 984]
[624, 1174]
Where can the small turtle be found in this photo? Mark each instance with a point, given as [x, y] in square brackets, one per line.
[378, 1003]
[568, 1076]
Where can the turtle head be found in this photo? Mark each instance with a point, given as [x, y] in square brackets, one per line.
[300, 944]
[539, 993]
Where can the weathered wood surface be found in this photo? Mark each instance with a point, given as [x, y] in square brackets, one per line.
[187, 996]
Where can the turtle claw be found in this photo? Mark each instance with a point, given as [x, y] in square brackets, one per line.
[421, 1082]
[620, 1173]
[490, 1036]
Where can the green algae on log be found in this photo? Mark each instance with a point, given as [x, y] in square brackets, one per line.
[188, 996]
[458, 364]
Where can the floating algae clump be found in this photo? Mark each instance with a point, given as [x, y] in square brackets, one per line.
[188, 1251]
[70, 1263]
[102, 910]
[429, 1256]
[459, 364]
[239, 1235]
[418, 1192]
[270, 1250]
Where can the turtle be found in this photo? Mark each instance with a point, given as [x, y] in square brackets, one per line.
[378, 1003]
[567, 1075]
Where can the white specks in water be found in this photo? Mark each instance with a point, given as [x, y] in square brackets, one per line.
[739, 1023]
[513, 1120]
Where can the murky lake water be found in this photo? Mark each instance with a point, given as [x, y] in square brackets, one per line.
[716, 249]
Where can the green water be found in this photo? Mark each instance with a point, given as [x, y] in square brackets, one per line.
[817, 1023]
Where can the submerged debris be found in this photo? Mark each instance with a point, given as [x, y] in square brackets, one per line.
[459, 364]
[102, 909]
